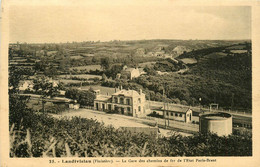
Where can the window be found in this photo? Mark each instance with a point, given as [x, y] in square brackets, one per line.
[167, 113]
[128, 101]
[115, 99]
[171, 114]
[128, 109]
[109, 107]
[180, 115]
[139, 108]
[176, 115]
[139, 100]
[121, 100]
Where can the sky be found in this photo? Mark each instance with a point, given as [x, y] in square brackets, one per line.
[131, 21]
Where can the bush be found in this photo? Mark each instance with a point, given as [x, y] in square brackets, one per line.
[40, 135]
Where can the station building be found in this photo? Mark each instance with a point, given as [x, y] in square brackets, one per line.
[126, 102]
[173, 112]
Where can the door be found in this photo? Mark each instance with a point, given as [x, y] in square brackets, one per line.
[97, 106]
[103, 107]
[109, 107]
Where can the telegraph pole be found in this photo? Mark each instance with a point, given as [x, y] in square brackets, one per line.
[200, 103]
[232, 101]
[164, 113]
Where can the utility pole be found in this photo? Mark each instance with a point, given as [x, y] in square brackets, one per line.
[232, 101]
[164, 113]
[200, 103]
[168, 114]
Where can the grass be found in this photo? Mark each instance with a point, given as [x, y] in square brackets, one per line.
[76, 57]
[148, 64]
[103, 90]
[238, 51]
[68, 81]
[189, 61]
[88, 68]
[80, 76]
[237, 47]
[216, 55]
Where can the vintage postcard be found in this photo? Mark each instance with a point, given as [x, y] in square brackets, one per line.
[129, 83]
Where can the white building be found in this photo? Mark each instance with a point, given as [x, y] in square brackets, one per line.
[131, 72]
[177, 113]
[27, 84]
[126, 102]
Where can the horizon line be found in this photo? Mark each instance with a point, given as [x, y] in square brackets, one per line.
[118, 40]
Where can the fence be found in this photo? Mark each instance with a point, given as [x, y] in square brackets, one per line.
[196, 108]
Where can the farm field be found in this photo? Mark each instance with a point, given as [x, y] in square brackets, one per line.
[189, 60]
[238, 51]
[68, 81]
[88, 68]
[216, 55]
[80, 76]
[148, 64]
[103, 90]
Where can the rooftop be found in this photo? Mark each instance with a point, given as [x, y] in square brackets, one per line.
[127, 93]
[102, 97]
[176, 109]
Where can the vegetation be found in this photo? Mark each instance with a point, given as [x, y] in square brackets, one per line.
[225, 80]
[83, 97]
[41, 135]
[168, 65]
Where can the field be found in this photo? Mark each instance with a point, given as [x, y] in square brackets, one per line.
[80, 76]
[88, 68]
[216, 55]
[189, 61]
[103, 90]
[238, 51]
[76, 57]
[148, 64]
[68, 81]
[237, 47]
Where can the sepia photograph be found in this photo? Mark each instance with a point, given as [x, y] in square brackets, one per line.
[129, 80]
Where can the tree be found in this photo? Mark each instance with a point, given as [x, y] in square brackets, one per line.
[85, 97]
[46, 88]
[17, 103]
[104, 77]
[105, 63]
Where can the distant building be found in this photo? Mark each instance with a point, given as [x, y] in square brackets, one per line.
[177, 113]
[24, 85]
[131, 72]
[126, 102]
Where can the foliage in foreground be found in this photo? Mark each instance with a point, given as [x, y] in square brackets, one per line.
[40, 135]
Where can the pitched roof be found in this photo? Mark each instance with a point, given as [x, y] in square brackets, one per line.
[102, 97]
[127, 93]
[175, 108]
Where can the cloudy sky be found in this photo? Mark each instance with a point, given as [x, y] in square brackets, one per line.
[131, 21]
